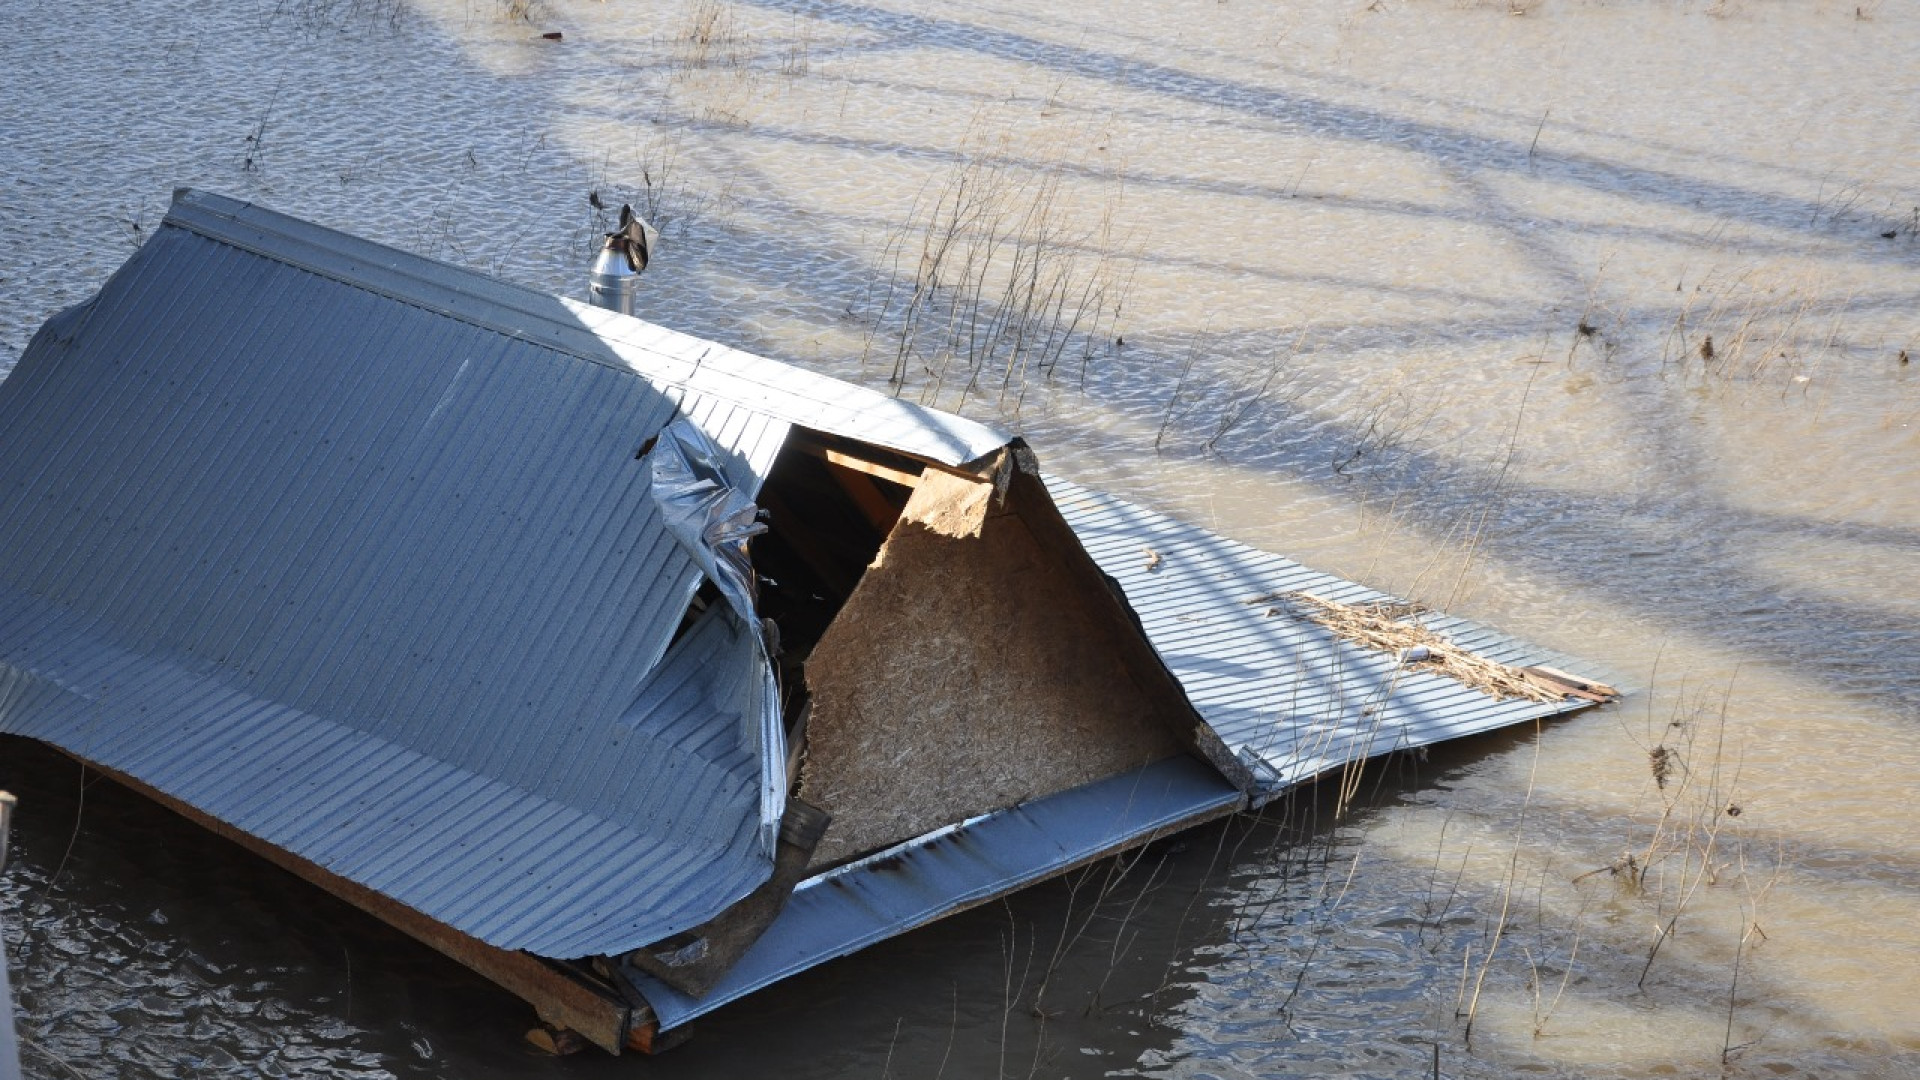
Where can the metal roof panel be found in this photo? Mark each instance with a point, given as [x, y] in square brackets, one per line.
[666, 357]
[1287, 692]
[851, 907]
[379, 579]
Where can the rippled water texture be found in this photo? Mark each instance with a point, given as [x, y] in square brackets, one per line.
[1415, 292]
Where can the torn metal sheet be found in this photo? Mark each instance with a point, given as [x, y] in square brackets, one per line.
[710, 517]
[1286, 695]
[714, 521]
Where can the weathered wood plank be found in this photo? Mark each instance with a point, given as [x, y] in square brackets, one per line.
[866, 495]
[860, 464]
[561, 997]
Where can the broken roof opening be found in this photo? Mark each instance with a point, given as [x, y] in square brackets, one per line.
[825, 523]
[967, 673]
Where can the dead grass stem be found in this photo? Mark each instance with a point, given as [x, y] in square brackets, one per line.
[712, 36]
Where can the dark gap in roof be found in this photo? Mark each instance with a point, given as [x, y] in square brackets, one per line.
[825, 524]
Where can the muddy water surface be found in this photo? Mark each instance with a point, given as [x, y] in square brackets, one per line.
[1415, 292]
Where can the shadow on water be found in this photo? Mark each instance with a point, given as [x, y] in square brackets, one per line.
[1458, 148]
[1613, 545]
[1616, 546]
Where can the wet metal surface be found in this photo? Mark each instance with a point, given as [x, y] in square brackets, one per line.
[400, 572]
[950, 870]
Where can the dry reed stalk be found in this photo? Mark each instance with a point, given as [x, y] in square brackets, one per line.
[1506, 893]
[1756, 327]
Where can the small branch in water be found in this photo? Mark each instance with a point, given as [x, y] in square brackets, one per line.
[1179, 387]
[257, 138]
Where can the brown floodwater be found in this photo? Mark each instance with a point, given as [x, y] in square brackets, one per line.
[1415, 292]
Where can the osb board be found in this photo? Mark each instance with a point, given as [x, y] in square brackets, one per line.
[966, 673]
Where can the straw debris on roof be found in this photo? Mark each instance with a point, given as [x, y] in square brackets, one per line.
[1389, 627]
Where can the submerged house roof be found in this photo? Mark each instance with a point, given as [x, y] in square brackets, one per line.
[379, 562]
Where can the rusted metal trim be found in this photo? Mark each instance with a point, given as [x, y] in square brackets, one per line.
[560, 995]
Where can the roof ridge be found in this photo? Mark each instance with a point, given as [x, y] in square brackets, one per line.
[666, 357]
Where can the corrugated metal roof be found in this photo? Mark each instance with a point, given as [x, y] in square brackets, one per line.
[377, 578]
[1288, 697]
[352, 551]
[849, 908]
[666, 357]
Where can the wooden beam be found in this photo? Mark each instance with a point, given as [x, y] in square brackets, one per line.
[866, 495]
[860, 464]
[1557, 681]
[561, 996]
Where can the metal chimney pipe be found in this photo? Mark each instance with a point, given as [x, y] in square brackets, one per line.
[614, 278]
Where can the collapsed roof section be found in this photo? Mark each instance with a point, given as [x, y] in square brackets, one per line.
[1220, 641]
[973, 668]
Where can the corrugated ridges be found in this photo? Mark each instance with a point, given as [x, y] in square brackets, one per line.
[372, 582]
[667, 357]
[1281, 691]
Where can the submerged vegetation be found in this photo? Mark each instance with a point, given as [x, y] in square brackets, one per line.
[996, 281]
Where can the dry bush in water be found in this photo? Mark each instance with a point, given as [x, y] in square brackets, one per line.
[524, 11]
[660, 193]
[1696, 840]
[1690, 864]
[796, 57]
[317, 15]
[1753, 327]
[995, 280]
[711, 36]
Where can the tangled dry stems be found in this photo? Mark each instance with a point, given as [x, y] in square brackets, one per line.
[1384, 626]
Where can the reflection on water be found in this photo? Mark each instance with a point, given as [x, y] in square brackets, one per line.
[1419, 293]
